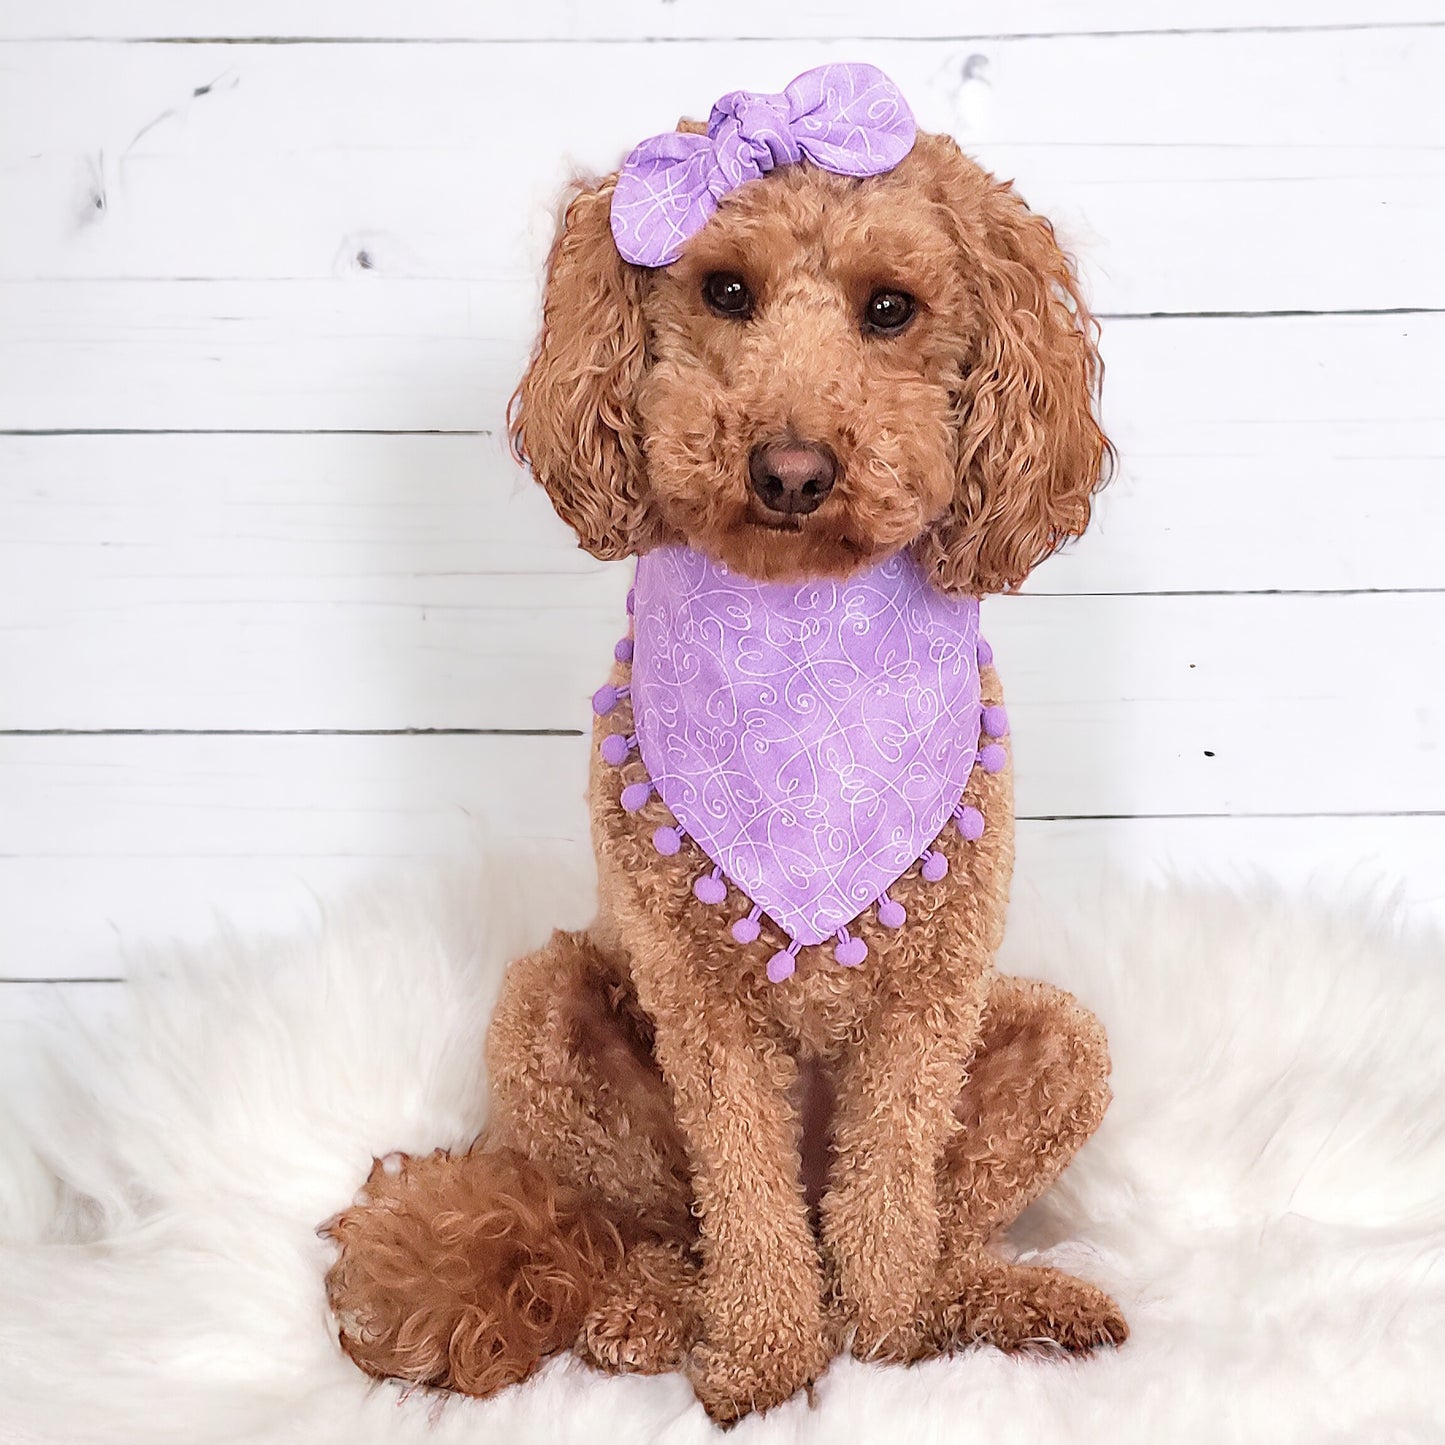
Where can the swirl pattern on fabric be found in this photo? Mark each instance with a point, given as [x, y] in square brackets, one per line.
[850, 119]
[812, 738]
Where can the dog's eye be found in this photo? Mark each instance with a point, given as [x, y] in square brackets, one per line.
[888, 311]
[728, 295]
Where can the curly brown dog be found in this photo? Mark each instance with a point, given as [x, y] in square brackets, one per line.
[686, 1166]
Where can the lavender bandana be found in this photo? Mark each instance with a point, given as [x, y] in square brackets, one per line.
[849, 119]
[812, 738]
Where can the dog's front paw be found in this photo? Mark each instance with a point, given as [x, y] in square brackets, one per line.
[733, 1381]
[1021, 1307]
[886, 1327]
[757, 1353]
[887, 1339]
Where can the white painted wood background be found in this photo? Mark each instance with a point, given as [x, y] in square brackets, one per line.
[277, 613]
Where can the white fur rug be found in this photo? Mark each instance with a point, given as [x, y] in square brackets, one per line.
[1266, 1197]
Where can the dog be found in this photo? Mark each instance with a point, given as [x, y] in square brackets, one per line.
[724, 1152]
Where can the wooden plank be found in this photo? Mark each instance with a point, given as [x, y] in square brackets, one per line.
[1154, 229]
[91, 916]
[26, 1008]
[328, 593]
[1341, 858]
[160, 835]
[144, 161]
[381, 615]
[1220, 705]
[108, 840]
[249, 797]
[87, 916]
[443, 355]
[1341, 508]
[291, 582]
[632, 19]
[258, 355]
[167, 580]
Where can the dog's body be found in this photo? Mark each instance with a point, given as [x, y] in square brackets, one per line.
[688, 1166]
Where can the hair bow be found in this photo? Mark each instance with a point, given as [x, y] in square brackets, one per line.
[849, 119]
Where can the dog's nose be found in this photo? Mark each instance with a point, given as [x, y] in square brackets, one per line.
[792, 477]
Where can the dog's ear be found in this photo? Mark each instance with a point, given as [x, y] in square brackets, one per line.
[574, 419]
[1030, 451]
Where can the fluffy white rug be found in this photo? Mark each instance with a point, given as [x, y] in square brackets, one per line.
[1266, 1197]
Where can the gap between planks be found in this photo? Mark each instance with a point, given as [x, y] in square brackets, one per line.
[232, 431]
[1282, 313]
[109, 978]
[291, 732]
[943, 37]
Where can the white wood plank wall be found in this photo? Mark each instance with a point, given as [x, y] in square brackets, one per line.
[277, 613]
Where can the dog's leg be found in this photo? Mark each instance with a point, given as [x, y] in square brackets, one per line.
[881, 1216]
[1037, 1089]
[1018, 1307]
[575, 1085]
[760, 1302]
[568, 1224]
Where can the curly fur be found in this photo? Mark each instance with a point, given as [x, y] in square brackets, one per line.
[512, 1261]
[688, 1166]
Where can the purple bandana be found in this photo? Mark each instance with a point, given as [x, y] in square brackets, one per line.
[849, 119]
[812, 738]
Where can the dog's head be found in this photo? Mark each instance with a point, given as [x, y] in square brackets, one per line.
[833, 369]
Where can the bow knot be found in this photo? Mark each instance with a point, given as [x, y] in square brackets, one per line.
[750, 135]
[849, 119]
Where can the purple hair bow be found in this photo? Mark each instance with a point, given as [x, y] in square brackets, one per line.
[849, 119]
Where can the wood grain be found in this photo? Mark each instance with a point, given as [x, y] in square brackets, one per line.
[445, 355]
[459, 20]
[303, 162]
[109, 842]
[1171, 704]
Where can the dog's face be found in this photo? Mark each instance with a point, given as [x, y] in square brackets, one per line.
[798, 408]
[833, 370]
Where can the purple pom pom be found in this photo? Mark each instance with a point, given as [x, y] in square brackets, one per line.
[635, 796]
[623, 651]
[781, 966]
[851, 952]
[710, 889]
[746, 930]
[995, 721]
[935, 867]
[604, 699]
[992, 758]
[970, 824]
[985, 653]
[614, 749]
[667, 841]
[891, 914]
